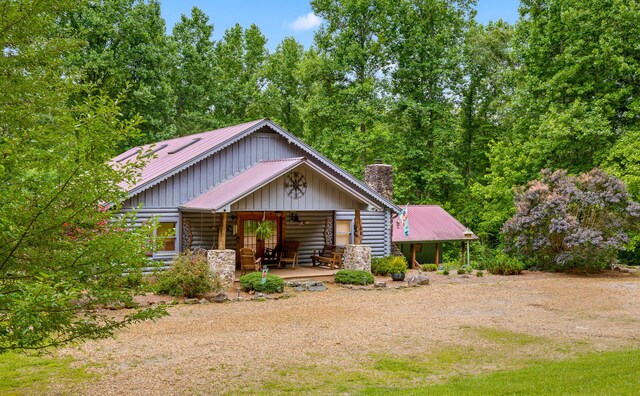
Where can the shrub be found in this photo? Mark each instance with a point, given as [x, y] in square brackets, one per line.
[565, 222]
[429, 267]
[187, 276]
[354, 277]
[397, 265]
[505, 265]
[445, 271]
[380, 265]
[479, 274]
[462, 271]
[253, 281]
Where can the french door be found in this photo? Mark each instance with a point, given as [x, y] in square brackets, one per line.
[247, 223]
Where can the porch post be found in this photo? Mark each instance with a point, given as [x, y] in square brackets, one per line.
[222, 232]
[437, 254]
[414, 263]
[283, 222]
[357, 238]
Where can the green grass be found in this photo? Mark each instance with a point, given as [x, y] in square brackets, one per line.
[611, 373]
[492, 361]
[507, 337]
[28, 374]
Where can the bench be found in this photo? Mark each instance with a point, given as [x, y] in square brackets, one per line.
[330, 256]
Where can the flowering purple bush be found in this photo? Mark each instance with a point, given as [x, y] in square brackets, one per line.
[565, 222]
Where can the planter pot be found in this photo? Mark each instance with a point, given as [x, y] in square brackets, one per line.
[397, 277]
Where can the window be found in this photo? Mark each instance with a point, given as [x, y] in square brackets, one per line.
[343, 232]
[167, 233]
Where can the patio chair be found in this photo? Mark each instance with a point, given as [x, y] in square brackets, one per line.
[248, 261]
[289, 254]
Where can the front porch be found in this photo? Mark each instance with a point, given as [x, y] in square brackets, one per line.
[302, 272]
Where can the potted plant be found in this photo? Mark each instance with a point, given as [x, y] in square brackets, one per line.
[397, 268]
[264, 230]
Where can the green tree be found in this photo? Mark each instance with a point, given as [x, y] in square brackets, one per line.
[127, 50]
[239, 60]
[192, 76]
[425, 41]
[61, 259]
[344, 111]
[574, 94]
[283, 94]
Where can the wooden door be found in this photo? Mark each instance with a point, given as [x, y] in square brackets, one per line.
[247, 223]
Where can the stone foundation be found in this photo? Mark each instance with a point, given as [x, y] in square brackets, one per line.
[223, 264]
[357, 257]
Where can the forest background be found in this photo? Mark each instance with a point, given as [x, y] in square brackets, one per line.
[463, 111]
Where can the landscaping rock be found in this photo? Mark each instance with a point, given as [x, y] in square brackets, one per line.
[204, 301]
[191, 301]
[317, 287]
[380, 284]
[417, 280]
[313, 285]
[220, 298]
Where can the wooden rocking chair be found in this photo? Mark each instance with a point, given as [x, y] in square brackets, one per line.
[248, 261]
[289, 254]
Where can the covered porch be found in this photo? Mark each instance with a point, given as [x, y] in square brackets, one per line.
[301, 202]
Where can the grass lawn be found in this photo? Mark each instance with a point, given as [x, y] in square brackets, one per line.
[610, 373]
[511, 363]
[29, 374]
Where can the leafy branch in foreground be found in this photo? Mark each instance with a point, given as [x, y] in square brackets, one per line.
[62, 251]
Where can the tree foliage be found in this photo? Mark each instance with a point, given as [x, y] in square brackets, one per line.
[62, 253]
[568, 222]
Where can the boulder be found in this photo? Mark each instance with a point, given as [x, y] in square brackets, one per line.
[417, 280]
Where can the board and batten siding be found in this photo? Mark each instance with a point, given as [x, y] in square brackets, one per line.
[320, 194]
[202, 176]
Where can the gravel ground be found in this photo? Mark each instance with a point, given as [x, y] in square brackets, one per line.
[214, 348]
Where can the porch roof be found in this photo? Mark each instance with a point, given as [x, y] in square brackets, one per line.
[241, 185]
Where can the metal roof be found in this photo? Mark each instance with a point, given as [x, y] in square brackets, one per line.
[241, 185]
[429, 223]
[172, 156]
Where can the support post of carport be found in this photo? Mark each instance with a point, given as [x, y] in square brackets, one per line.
[222, 232]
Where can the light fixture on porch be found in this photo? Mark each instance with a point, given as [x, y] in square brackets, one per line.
[295, 219]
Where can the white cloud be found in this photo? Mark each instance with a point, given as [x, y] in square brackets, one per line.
[306, 22]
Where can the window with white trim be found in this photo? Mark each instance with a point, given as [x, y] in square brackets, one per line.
[166, 231]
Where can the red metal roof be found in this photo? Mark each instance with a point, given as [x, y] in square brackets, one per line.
[429, 223]
[171, 154]
[242, 185]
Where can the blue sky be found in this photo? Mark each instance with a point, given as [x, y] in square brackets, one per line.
[278, 19]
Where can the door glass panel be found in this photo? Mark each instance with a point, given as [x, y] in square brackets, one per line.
[249, 237]
[343, 232]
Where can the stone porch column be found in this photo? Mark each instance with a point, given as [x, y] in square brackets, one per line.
[223, 264]
[357, 257]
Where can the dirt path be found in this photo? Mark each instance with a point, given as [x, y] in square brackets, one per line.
[215, 348]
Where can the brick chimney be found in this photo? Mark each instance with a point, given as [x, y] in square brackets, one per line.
[379, 177]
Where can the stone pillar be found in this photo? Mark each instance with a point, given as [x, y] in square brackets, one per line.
[357, 257]
[223, 264]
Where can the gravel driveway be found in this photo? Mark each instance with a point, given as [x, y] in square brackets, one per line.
[216, 348]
